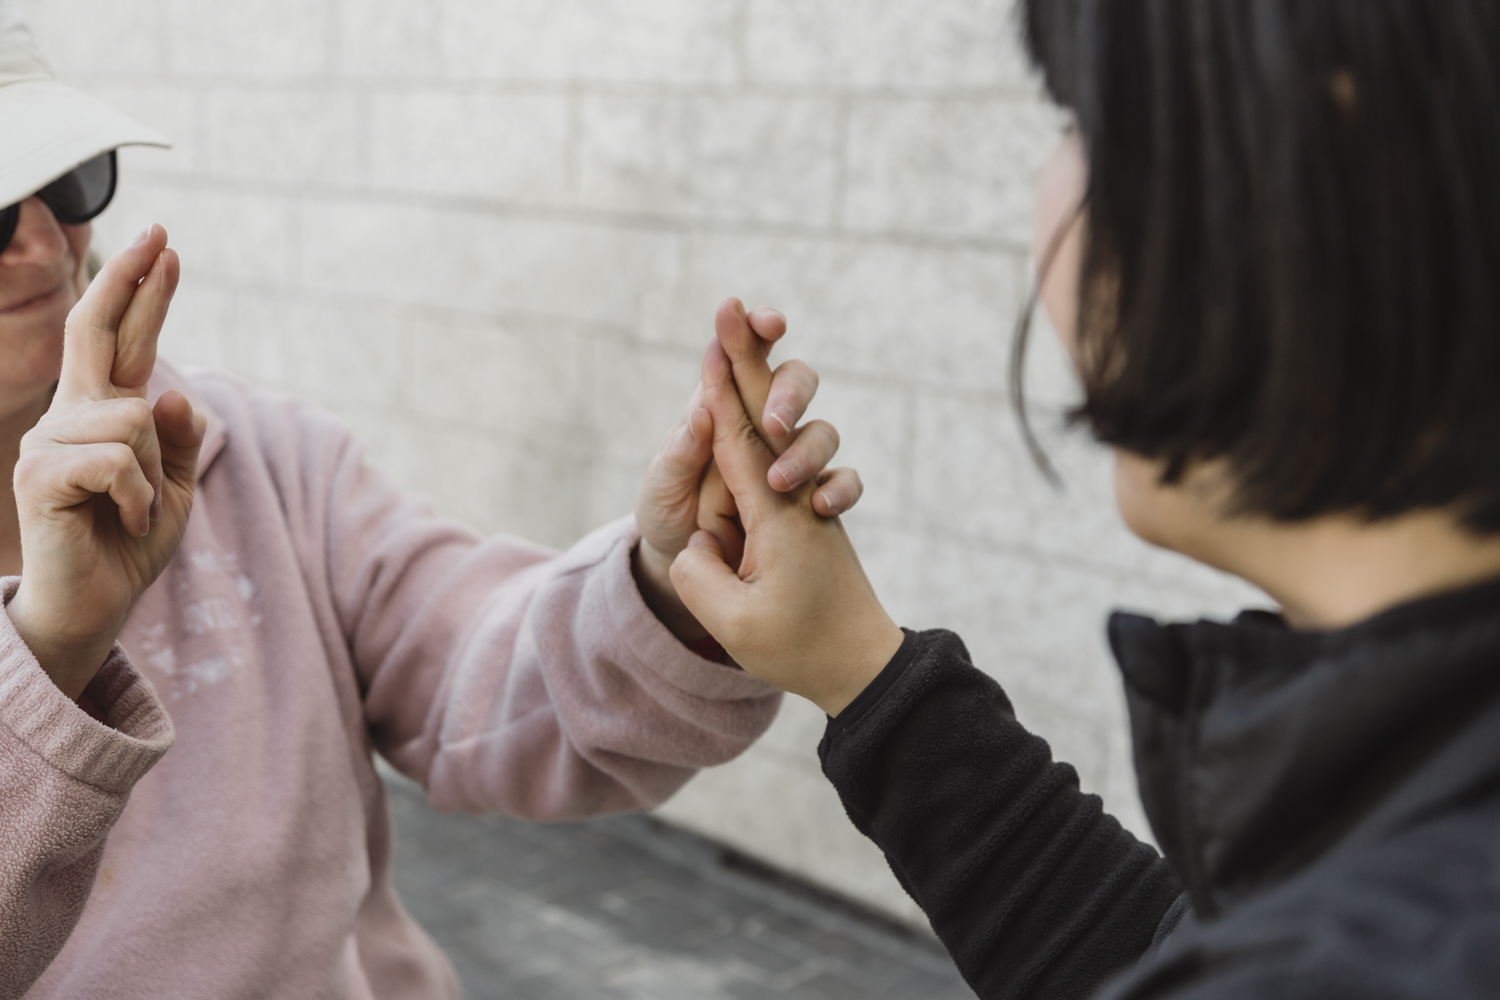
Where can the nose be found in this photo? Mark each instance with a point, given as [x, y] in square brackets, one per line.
[39, 239]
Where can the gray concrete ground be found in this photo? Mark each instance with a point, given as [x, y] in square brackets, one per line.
[627, 908]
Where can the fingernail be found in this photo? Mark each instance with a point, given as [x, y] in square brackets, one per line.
[699, 539]
[156, 509]
[790, 471]
[143, 237]
[782, 417]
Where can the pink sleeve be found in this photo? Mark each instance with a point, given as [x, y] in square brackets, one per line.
[64, 779]
[510, 678]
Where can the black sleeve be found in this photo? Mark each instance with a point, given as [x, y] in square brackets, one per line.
[1033, 888]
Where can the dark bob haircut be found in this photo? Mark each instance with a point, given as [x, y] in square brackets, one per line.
[1293, 262]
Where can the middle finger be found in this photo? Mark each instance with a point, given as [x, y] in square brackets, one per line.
[809, 455]
[793, 387]
[135, 348]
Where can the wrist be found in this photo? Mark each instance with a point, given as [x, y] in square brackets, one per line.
[652, 571]
[859, 670]
[71, 662]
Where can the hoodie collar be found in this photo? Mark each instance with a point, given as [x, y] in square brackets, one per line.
[1260, 750]
[166, 378]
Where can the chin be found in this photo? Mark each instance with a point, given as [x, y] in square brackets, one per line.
[31, 350]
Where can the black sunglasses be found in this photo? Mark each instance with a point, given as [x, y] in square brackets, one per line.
[76, 197]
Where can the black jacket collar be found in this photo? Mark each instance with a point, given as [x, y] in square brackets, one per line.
[1260, 750]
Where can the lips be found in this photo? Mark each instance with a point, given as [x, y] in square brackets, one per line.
[34, 300]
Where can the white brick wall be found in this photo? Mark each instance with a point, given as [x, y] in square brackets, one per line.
[492, 233]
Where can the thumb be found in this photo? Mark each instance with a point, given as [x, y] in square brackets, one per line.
[179, 430]
[706, 584]
[741, 454]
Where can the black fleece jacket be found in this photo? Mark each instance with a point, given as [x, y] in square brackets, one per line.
[1328, 805]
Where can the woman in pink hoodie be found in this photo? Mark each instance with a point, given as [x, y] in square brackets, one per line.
[189, 707]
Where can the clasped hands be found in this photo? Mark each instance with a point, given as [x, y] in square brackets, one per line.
[769, 571]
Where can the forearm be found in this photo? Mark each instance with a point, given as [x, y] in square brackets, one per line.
[511, 679]
[1033, 888]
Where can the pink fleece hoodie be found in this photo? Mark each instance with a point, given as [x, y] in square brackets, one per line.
[225, 834]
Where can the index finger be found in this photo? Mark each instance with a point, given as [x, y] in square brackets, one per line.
[747, 352]
[769, 324]
[740, 453]
[91, 337]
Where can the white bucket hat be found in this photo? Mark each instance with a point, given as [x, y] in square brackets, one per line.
[46, 127]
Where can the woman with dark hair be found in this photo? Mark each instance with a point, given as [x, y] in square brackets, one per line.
[1271, 245]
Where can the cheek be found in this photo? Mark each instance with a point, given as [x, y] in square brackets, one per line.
[31, 351]
[1058, 235]
[1059, 293]
[79, 240]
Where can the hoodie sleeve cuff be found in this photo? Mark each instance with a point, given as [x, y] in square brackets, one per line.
[111, 755]
[650, 642]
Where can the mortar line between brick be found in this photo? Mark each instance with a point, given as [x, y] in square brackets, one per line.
[525, 322]
[621, 219]
[521, 88]
[520, 322]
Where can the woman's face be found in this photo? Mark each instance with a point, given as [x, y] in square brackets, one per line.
[1058, 235]
[1159, 514]
[42, 277]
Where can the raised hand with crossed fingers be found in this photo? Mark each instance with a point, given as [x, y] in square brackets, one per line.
[679, 497]
[771, 578]
[104, 482]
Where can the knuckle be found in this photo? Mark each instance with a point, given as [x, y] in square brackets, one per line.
[129, 420]
[137, 413]
[799, 369]
[30, 468]
[118, 459]
[818, 438]
[746, 435]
